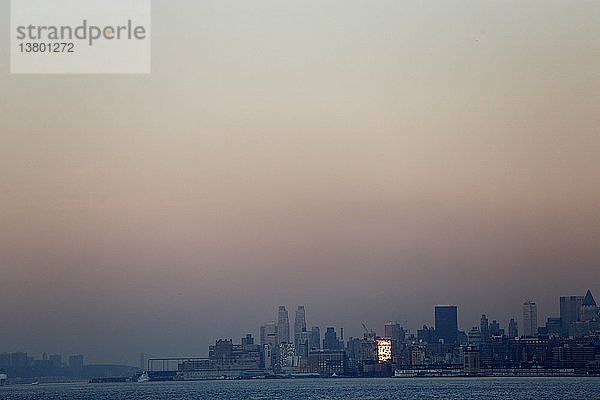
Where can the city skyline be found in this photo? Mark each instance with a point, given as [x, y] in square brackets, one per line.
[443, 314]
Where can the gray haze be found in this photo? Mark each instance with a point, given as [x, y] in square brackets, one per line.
[368, 159]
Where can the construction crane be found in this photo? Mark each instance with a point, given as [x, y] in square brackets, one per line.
[369, 334]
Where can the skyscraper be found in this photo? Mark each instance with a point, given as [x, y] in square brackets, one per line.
[513, 329]
[394, 331]
[300, 321]
[484, 328]
[570, 311]
[495, 329]
[283, 325]
[331, 340]
[589, 308]
[269, 344]
[268, 335]
[530, 323]
[303, 343]
[446, 324]
[316, 338]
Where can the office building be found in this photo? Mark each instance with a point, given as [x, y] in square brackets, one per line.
[589, 308]
[268, 335]
[316, 338]
[484, 328]
[331, 341]
[570, 311]
[327, 363]
[446, 324]
[530, 324]
[248, 340]
[513, 329]
[300, 321]
[283, 325]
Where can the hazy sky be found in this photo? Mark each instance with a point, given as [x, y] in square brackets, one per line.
[368, 159]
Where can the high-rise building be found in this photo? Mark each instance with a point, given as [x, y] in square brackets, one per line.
[589, 308]
[426, 334]
[316, 338]
[268, 335]
[299, 322]
[269, 344]
[530, 323]
[283, 325]
[394, 332]
[513, 329]
[495, 329]
[331, 341]
[303, 343]
[570, 311]
[484, 328]
[248, 340]
[474, 336]
[446, 324]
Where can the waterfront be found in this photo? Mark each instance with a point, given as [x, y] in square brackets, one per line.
[329, 389]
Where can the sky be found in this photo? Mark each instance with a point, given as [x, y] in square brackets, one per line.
[368, 159]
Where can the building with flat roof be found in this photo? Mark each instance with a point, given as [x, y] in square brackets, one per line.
[446, 324]
[530, 324]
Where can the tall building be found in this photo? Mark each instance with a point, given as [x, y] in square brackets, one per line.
[426, 334]
[248, 340]
[269, 344]
[303, 343]
[268, 335]
[530, 324]
[495, 329]
[394, 331]
[513, 329]
[589, 308]
[474, 336]
[331, 341]
[300, 321]
[570, 311]
[446, 324]
[316, 338]
[283, 325]
[484, 328]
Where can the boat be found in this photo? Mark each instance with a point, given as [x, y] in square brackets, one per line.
[144, 377]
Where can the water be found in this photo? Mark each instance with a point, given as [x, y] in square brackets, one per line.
[325, 389]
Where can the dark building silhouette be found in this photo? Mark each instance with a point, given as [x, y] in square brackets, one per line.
[426, 334]
[570, 311]
[446, 324]
[316, 338]
[283, 325]
[513, 329]
[248, 340]
[331, 341]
